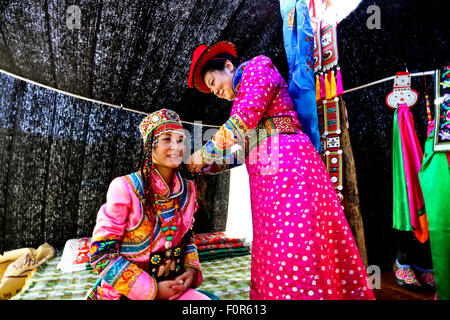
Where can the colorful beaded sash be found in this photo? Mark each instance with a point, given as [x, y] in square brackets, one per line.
[329, 115]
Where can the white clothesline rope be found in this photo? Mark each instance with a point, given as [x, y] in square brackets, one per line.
[191, 123]
[387, 79]
[92, 100]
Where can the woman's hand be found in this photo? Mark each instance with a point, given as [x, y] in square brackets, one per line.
[183, 282]
[166, 290]
[195, 162]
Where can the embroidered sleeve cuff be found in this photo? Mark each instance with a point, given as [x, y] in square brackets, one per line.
[220, 145]
[192, 260]
[225, 163]
[194, 263]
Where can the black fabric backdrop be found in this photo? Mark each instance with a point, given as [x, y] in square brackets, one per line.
[59, 155]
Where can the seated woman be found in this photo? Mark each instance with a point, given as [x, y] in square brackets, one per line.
[142, 245]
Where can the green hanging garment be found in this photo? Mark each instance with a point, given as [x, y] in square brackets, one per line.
[401, 216]
[408, 204]
[434, 178]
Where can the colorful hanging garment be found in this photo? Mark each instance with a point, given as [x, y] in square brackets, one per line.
[330, 55]
[442, 125]
[328, 84]
[408, 204]
[299, 45]
[434, 178]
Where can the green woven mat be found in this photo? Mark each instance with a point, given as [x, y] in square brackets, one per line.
[228, 278]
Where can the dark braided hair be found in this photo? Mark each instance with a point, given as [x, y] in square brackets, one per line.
[146, 165]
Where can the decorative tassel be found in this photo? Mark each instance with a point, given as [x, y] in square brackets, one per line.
[339, 87]
[427, 99]
[318, 98]
[322, 86]
[327, 87]
[332, 85]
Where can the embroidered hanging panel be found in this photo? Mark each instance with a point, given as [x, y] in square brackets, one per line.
[442, 110]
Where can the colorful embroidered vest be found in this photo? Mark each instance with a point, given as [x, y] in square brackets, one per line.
[136, 242]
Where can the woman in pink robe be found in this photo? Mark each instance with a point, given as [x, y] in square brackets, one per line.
[302, 245]
[142, 245]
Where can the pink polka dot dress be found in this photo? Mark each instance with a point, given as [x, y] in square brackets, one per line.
[302, 245]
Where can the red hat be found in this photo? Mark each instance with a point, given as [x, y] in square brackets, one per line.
[201, 55]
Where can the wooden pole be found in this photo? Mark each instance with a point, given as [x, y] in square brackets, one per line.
[350, 191]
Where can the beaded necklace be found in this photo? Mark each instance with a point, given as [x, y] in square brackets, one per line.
[168, 228]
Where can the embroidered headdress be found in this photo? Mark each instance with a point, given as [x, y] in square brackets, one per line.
[159, 122]
[155, 124]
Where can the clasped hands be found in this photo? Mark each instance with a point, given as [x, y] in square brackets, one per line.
[173, 289]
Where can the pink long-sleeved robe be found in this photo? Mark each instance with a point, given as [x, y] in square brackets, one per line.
[302, 245]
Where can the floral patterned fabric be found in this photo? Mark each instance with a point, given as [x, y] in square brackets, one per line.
[405, 274]
[302, 245]
[213, 238]
[214, 245]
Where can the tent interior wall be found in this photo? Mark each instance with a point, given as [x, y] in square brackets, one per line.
[59, 153]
